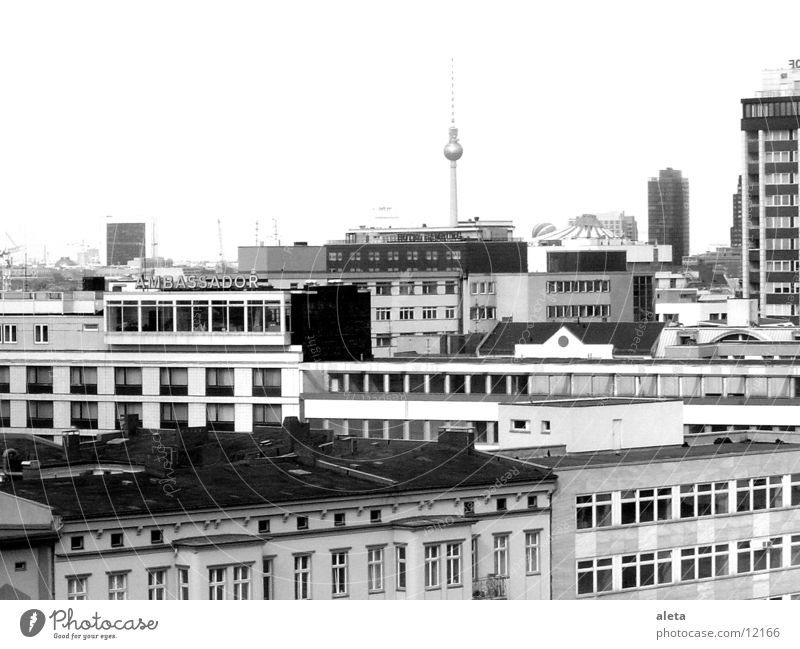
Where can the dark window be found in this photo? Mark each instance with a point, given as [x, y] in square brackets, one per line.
[302, 522]
[266, 382]
[219, 381]
[263, 526]
[116, 539]
[469, 507]
[174, 381]
[40, 380]
[339, 519]
[128, 380]
[501, 504]
[156, 537]
[533, 502]
[76, 543]
[375, 516]
[83, 380]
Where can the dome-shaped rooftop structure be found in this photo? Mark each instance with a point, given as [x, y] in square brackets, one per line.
[587, 226]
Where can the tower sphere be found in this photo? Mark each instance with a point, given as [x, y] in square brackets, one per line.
[453, 150]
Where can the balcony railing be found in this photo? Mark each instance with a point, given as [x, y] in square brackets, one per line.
[491, 587]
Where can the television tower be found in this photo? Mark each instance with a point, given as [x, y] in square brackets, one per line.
[453, 151]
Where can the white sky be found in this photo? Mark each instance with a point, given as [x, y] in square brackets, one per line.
[314, 113]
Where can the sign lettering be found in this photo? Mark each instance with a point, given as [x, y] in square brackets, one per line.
[197, 282]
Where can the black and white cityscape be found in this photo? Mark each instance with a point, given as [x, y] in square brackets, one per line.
[584, 402]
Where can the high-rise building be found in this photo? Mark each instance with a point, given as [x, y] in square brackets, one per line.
[770, 138]
[668, 212]
[124, 243]
[736, 227]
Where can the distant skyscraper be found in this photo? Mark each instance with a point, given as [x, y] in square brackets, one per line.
[668, 212]
[736, 227]
[621, 224]
[770, 137]
[124, 242]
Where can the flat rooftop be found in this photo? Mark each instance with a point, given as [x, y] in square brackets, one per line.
[591, 402]
[649, 455]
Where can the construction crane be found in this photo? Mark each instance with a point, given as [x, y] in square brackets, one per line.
[222, 267]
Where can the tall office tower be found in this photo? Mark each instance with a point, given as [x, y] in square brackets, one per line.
[668, 212]
[124, 242]
[770, 138]
[736, 227]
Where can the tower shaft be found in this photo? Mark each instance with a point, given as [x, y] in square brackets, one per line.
[453, 196]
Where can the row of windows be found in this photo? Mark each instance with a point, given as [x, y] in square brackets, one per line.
[408, 313]
[579, 286]
[393, 255]
[483, 313]
[128, 380]
[41, 334]
[254, 316]
[78, 586]
[84, 414]
[568, 385]
[410, 288]
[779, 200]
[771, 109]
[780, 221]
[622, 572]
[781, 287]
[782, 244]
[780, 179]
[578, 311]
[482, 288]
[778, 135]
[636, 506]
[782, 265]
[780, 156]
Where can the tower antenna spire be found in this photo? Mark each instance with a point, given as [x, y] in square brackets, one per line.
[453, 150]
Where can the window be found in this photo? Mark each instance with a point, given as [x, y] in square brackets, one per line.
[266, 382]
[469, 507]
[302, 522]
[339, 519]
[156, 584]
[383, 340]
[219, 381]
[268, 578]
[339, 573]
[646, 569]
[407, 313]
[156, 537]
[5, 413]
[383, 313]
[174, 381]
[118, 586]
[83, 380]
[709, 499]
[453, 564]
[9, 333]
[429, 313]
[263, 526]
[450, 288]
[757, 556]
[383, 288]
[429, 288]
[375, 516]
[41, 334]
[302, 576]
[400, 564]
[40, 414]
[374, 569]
[532, 552]
[406, 288]
[174, 415]
[520, 426]
[645, 505]
[266, 413]
[20, 566]
[241, 582]
[128, 380]
[5, 378]
[449, 313]
[533, 502]
[76, 543]
[754, 494]
[116, 539]
[221, 416]
[432, 566]
[704, 562]
[83, 414]
[77, 588]
[501, 555]
[594, 576]
[593, 511]
[40, 380]
[216, 583]
[501, 504]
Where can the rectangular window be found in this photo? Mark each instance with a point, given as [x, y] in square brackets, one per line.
[450, 288]
[383, 288]
[645, 505]
[77, 588]
[219, 381]
[704, 562]
[593, 511]
[429, 313]
[83, 414]
[41, 334]
[268, 578]
[174, 381]
[407, 313]
[302, 576]
[432, 568]
[83, 380]
[501, 555]
[339, 519]
[594, 576]
[375, 516]
[520, 426]
[406, 288]
[216, 583]
[383, 313]
[117, 539]
[339, 573]
[429, 288]
[501, 504]
[221, 416]
[383, 340]
[174, 415]
[302, 522]
[707, 499]
[532, 552]
[40, 379]
[754, 494]
[156, 537]
[40, 414]
[9, 333]
[449, 313]
[760, 555]
[453, 564]
[156, 583]
[400, 566]
[241, 582]
[118, 586]
[374, 569]
[128, 380]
